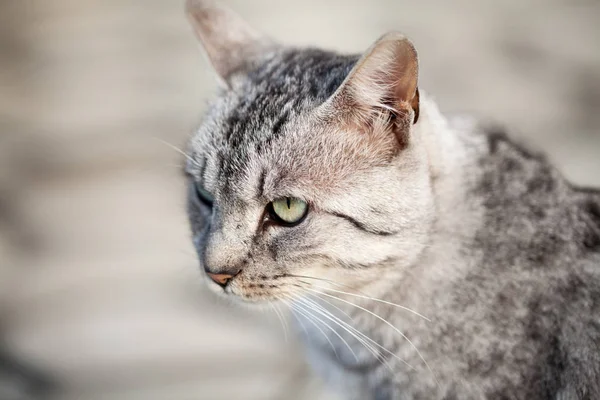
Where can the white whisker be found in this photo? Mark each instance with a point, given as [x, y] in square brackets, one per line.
[359, 338]
[311, 318]
[364, 296]
[298, 319]
[377, 300]
[330, 328]
[387, 323]
[277, 312]
[332, 305]
[350, 328]
[325, 313]
[284, 319]
[177, 149]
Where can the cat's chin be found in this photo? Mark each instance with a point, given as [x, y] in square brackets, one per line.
[233, 295]
[252, 300]
[253, 304]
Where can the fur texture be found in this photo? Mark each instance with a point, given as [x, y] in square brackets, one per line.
[442, 216]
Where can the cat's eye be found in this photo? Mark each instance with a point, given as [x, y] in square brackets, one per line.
[204, 195]
[289, 210]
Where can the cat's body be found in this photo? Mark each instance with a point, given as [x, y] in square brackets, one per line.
[510, 280]
[397, 203]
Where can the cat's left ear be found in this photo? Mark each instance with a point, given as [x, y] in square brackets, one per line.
[383, 83]
[230, 43]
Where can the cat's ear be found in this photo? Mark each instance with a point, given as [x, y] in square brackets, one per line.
[382, 84]
[229, 42]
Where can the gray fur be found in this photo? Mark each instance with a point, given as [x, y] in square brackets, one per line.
[481, 236]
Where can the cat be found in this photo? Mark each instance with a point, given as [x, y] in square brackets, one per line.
[424, 256]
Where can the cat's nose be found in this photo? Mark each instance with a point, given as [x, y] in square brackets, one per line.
[222, 279]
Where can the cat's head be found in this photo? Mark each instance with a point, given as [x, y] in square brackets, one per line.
[306, 168]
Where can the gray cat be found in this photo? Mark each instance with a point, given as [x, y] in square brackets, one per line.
[424, 257]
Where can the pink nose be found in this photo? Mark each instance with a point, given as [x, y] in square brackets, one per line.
[220, 279]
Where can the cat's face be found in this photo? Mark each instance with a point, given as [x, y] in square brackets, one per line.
[304, 170]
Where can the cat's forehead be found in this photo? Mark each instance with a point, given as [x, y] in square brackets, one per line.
[265, 108]
[261, 102]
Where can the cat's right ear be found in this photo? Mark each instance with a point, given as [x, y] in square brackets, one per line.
[229, 42]
[380, 93]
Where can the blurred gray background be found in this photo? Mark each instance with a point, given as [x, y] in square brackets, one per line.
[98, 281]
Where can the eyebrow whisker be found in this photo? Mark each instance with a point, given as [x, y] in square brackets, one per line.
[178, 150]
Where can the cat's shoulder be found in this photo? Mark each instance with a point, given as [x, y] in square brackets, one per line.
[522, 191]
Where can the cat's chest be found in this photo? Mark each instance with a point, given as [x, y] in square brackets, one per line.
[386, 348]
[361, 370]
[376, 348]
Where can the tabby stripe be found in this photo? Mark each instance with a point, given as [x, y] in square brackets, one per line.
[261, 184]
[363, 227]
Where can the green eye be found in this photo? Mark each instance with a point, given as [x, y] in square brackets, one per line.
[289, 210]
[204, 195]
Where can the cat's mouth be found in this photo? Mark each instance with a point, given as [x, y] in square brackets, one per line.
[255, 289]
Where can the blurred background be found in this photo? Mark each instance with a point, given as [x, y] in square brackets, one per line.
[99, 289]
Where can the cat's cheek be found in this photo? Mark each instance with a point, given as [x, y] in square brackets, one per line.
[198, 241]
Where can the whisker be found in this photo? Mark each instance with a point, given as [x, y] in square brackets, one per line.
[319, 279]
[355, 294]
[337, 321]
[332, 330]
[277, 312]
[377, 300]
[332, 305]
[387, 323]
[349, 327]
[310, 318]
[177, 149]
[362, 295]
[285, 320]
[299, 320]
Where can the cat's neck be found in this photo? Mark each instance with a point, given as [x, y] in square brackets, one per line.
[443, 139]
[452, 151]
